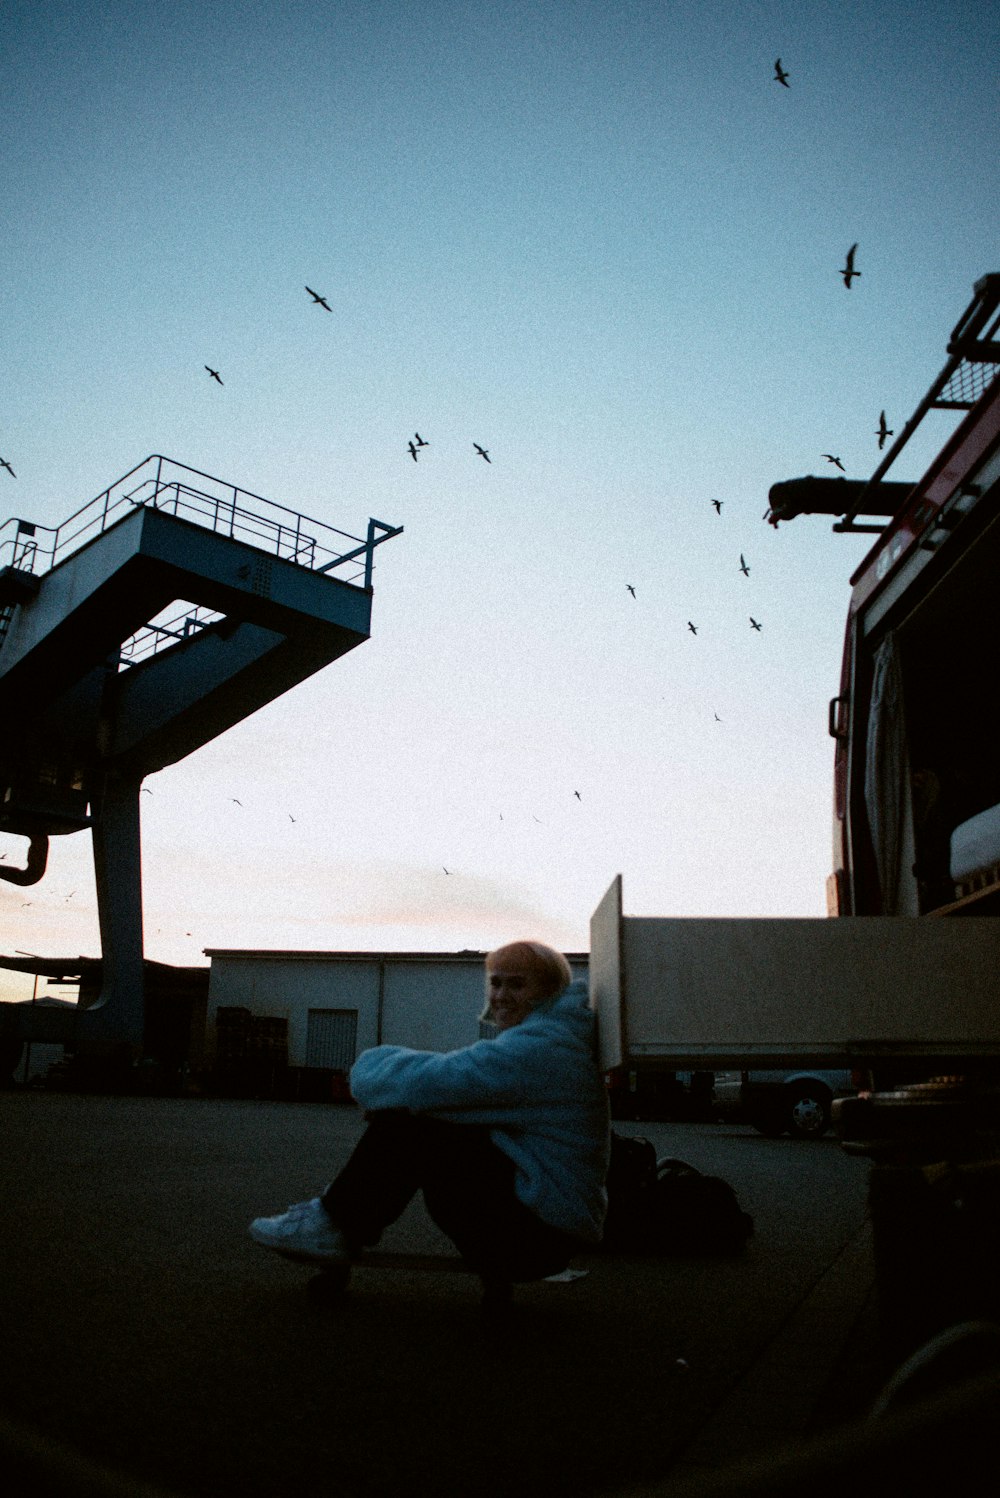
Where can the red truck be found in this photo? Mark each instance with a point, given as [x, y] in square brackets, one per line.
[917, 717]
[917, 827]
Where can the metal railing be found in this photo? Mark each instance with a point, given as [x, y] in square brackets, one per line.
[163, 484]
[973, 365]
[19, 544]
[166, 630]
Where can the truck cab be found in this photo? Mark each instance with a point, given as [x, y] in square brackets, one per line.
[916, 719]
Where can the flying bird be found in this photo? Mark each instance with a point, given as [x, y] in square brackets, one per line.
[630, 589]
[577, 795]
[883, 431]
[692, 628]
[743, 566]
[420, 441]
[447, 871]
[320, 301]
[835, 461]
[238, 803]
[214, 373]
[754, 623]
[481, 451]
[412, 451]
[716, 717]
[5, 464]
[780, 76]
[848, 272]
[718, 506]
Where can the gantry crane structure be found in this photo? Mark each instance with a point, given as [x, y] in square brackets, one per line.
[160, 614]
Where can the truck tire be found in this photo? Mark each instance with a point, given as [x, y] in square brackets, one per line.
[807, 1112]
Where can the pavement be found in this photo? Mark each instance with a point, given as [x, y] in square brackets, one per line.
[148, 1341]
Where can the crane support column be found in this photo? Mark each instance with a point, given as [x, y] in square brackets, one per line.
[117, 1018]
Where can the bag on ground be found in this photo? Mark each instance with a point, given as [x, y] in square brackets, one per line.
[668, 1206]
[695, 1213]
[631, 1182]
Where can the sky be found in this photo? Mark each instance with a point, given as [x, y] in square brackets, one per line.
[603, 243]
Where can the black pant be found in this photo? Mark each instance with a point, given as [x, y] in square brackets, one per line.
[468, 1187]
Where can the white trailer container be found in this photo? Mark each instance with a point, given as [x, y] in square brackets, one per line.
[717, 993]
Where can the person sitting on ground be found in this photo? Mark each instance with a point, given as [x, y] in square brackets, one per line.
[508, 1138]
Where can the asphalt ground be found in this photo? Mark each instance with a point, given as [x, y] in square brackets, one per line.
[147, 1340]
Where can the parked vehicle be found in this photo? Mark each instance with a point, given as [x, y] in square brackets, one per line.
[799, 1103]
[917, 836]
[903, 979]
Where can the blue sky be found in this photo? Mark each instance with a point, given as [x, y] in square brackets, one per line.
[602, 242]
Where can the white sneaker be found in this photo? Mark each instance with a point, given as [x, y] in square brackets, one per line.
[305, 1232]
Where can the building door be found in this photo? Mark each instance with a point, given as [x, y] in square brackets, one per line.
[332, 1038]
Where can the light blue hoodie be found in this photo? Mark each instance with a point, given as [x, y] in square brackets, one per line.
[536, 1086]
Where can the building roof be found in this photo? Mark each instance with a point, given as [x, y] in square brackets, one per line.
[280, 955]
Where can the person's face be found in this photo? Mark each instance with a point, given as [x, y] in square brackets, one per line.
[514, 990]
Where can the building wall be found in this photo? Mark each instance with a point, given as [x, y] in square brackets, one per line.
[433, 1006]
[287, 987]
[429, 1001]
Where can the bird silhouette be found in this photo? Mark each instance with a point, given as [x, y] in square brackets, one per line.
[716, 717]
[447, 871]
[692, 628]
[883, 431]
[5, 464]
[848, 272]
[412, 451]
[214, 373]
[238, 803]
[481, 451]
[630, 589]
[835, 461]
[320, 301]
[420, 441]
[780, 76]
[718, 506]
[577, 795]
[754, 623]
[743, 566]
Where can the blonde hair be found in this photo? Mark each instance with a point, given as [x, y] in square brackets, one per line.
[550, 967]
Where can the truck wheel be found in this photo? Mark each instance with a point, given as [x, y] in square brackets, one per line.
[808, 1111]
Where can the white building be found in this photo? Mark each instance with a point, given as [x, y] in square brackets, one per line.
[337, 1004]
